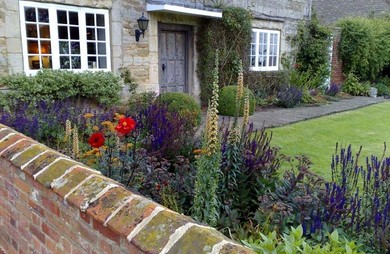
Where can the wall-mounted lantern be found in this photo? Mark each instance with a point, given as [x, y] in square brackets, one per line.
[143, 25]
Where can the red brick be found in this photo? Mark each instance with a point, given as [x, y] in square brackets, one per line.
[106, 231]
[105, 247]
[35, 231]
[50, 245]
[21, 185]
[48, 204]
[85, 217]
[9, 141]
[50, 232]
[36, 208]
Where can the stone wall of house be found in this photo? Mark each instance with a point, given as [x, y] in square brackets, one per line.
[52, 204]
[329, 11]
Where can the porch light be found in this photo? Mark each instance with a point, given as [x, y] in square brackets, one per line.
[143, 25]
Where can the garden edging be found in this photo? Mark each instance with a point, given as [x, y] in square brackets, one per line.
[50, 203]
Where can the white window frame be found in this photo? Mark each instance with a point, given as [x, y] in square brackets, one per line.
[256, 42]
[54, 40]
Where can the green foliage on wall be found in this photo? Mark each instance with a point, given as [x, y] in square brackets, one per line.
[231, 36]
[312, 42]
[365, 46]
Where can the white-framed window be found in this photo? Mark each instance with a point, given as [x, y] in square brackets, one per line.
[264, 52]
[65, 37]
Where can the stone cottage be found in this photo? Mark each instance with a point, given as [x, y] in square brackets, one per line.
[101, 35]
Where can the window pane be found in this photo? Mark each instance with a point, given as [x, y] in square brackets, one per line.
[100, 19]
[32, 47]
[73, 18]
[29, 14]
[64, 62]
[75, 47]
[253, 61]
[33, 62]
[91, 48]
[101, 34]
[44, 31]
[102, 63]
[31, 30]
[45, 47]
[46, 62]
[64, 47]
[43, 15]
[91, 62]
[62, 17]
[101, 48]
[90, 33]
[63, 32]
[90, 19]
[254, 37]
[74, 33]
[76, 62]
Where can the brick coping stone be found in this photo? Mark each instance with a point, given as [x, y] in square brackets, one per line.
[116, 212]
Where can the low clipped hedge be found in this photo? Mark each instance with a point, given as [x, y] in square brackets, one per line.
[227, 101]
[49, 85]
[183, 104]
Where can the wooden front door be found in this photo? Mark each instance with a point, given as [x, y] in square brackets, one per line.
[173, 58]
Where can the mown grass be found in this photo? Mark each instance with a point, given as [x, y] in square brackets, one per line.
[368, 127]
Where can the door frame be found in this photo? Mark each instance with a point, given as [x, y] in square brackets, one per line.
[189, 52]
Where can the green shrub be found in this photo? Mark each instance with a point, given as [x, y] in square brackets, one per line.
[183, 104]
[365, 46]
[383, 90]
[49, 85]
[227, 101]
[354, 87]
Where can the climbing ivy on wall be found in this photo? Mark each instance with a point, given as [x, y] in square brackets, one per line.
[365, 46]
[312, 43]
[231, 35]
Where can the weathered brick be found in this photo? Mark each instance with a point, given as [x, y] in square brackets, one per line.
[42, 161]
[69, 181]
[35, 231]
[49, 231]
[102, 208]
[48, 204]
[9, 141]
[131, 215]
[196, 240]
[113, 236]
[28, 154]
[87, 191]
[156, 234]
[55, 171]
[235, 249]
[17, 148]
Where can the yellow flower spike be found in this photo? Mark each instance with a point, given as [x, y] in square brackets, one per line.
[68, 128]
[95, 128]
[88, 115]
[129, 145]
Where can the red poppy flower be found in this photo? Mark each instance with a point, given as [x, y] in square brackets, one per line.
[125, 125]
[96, 140]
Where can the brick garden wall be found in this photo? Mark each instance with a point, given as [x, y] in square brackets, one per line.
[337, 76]
[52, 204]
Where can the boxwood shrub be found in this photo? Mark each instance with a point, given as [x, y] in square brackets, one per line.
[183, 104]
[227, 101]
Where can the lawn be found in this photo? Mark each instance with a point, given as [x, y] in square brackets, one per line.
[367, 127]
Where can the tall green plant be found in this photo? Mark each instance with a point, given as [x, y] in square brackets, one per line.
[231, 36]
[206, 203]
